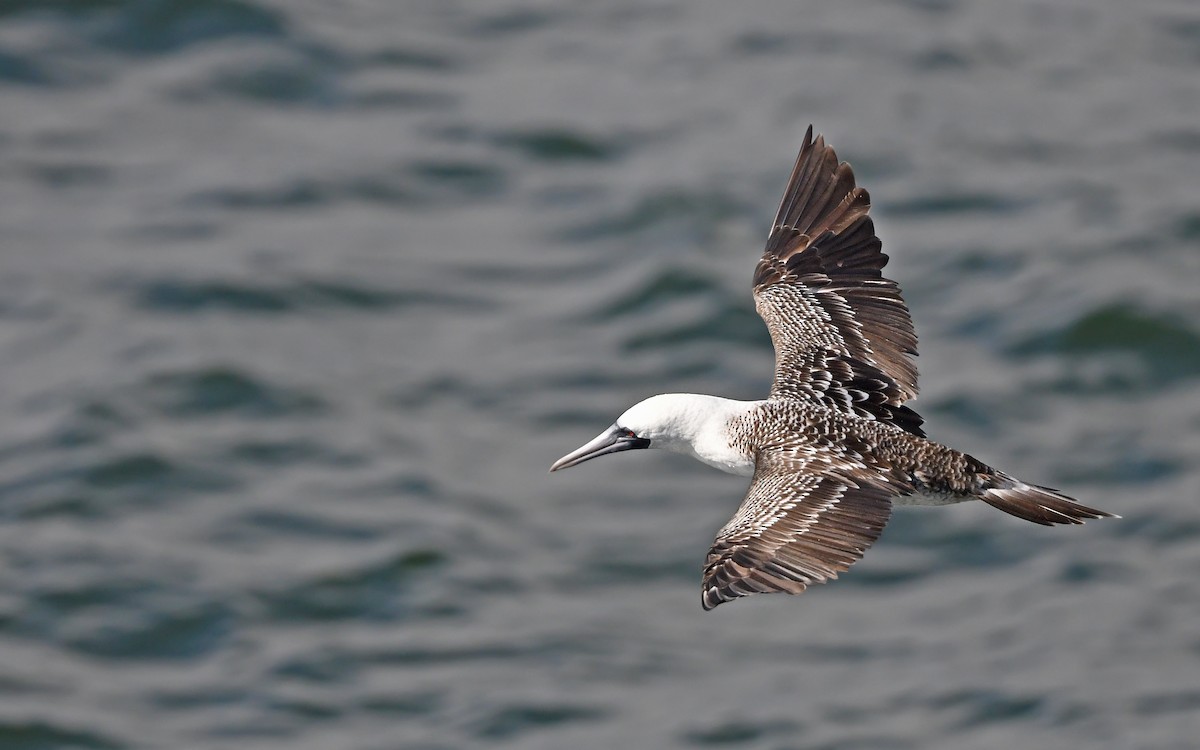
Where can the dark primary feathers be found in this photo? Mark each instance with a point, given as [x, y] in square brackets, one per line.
[819, 289]
[843, 340]
[794, 528]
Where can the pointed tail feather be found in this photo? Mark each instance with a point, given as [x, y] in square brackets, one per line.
[1037, 504]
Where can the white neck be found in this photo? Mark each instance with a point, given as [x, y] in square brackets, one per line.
[694, 425]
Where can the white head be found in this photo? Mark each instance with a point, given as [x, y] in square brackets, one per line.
[673, 421]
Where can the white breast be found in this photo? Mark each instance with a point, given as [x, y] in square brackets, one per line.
[717, 452]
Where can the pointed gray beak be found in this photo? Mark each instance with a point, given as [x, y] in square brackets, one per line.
[612, 440]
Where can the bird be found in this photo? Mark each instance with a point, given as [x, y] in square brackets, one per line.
[834, 446]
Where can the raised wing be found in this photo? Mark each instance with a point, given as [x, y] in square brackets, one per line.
[819, 288]
[795, 528]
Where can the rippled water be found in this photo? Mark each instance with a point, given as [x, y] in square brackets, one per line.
[299, 300]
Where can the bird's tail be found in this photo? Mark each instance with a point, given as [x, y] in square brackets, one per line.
[1033, 503]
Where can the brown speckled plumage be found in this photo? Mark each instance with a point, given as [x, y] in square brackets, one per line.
[834, 446]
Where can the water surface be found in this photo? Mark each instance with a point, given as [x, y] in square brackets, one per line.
[299, 301]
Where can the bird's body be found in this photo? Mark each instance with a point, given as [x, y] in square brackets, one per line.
[833, 447]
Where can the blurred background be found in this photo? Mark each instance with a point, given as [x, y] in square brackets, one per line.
[299, 301]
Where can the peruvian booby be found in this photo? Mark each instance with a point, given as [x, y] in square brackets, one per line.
[834, 446]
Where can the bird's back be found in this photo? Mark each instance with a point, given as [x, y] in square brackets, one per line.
[860, 445]
[917, 470]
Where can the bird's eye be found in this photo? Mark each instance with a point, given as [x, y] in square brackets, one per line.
[630, 433]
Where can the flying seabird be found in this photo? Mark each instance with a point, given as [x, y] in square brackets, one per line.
[833, 447]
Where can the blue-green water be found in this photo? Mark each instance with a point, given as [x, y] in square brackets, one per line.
[299, 300]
